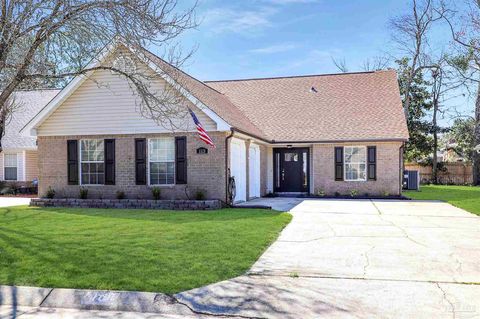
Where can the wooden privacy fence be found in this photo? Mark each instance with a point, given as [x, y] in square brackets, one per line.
[451, 173]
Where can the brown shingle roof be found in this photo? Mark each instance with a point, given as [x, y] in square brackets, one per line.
[216, 101]
[351, 106]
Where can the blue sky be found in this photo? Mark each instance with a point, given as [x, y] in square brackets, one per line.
[268, 38]
[262, 38]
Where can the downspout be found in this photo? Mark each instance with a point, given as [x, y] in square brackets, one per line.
[401, 166]
[227, 175]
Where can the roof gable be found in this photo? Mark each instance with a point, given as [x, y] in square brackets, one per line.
[31, 127]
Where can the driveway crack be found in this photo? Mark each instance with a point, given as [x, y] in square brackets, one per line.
[395, 225]
[447, 300]
[367, 261]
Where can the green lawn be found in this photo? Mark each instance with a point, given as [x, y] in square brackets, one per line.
[466, 197]
[146, 250]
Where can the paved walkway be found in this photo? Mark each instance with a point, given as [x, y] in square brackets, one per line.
[13, 201]
[359, 259]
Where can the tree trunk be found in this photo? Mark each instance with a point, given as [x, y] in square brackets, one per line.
[476, 156]
[436, 96]
[434, 158]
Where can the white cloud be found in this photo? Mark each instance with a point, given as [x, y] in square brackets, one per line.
[277, 48]
[221, 20]
[312, 60]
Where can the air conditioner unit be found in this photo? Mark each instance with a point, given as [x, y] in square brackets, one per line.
[411, 180]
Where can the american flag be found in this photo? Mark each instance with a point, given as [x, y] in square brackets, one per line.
[200, 130]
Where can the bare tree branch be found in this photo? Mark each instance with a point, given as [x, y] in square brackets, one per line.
[44, 43]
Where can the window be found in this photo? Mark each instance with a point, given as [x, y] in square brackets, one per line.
[291, 157]
[161, 157]
[10, 165]
[355, 163]
[92, 166]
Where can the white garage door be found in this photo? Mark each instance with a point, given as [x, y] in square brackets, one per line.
[238, 168]
[254, 167]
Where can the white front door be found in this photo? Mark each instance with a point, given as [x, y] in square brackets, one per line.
[254, 168]
[238, 168]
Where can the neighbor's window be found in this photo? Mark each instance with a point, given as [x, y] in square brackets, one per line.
[92, 166]
[355, 163]
[161, 156]
[10, 165]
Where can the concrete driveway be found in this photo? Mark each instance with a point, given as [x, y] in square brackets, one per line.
[13, 201]
[359, 259]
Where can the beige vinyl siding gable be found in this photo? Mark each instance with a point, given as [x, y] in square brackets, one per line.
[106, 104]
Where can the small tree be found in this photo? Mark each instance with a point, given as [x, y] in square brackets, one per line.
[461, 137]
[419, 145]
[465, 29]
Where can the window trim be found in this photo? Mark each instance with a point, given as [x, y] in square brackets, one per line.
[345, 164]
[173, 161]
[80, 161]
[5, 166]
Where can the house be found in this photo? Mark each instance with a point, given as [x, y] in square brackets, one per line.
[289, 135]
[18, 159]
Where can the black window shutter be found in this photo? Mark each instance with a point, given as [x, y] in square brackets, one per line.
[109, 162]
[372, 163]
[339, 163]
[140, 161]
[72, 162]
[181, 159]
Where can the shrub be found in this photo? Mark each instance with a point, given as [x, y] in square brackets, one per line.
[156, 193]
[200, 195]
[353, 193]
[83, 193]
[6, 190]
[337, 194]
[50, 192]
[386, 194]
[320, 192]
[120, 195]
[15, 187]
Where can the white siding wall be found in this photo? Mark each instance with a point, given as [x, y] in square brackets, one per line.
[2, 171]
[105, 104]
[31, 165]
[20, 166]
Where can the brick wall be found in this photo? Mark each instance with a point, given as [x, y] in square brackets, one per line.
[388, 172]
[205, 172]
[128, 203]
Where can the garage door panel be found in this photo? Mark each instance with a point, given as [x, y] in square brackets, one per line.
[238, 168]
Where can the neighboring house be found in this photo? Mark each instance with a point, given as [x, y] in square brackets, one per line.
[18, 160]
[450, 153]
[293, 135]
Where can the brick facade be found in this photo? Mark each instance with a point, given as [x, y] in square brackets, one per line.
[388, 171]
[206, 172]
